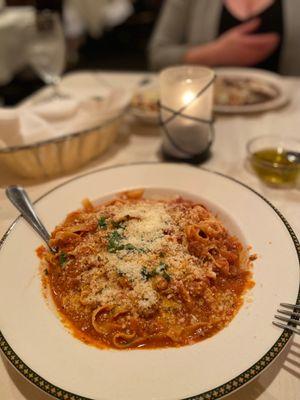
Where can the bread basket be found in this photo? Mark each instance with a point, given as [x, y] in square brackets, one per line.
[53, 157]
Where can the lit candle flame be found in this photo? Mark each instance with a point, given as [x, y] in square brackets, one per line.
[188, 97]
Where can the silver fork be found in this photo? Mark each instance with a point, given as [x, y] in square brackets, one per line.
[293, 317]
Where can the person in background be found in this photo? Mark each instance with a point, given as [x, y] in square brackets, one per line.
[245, 33]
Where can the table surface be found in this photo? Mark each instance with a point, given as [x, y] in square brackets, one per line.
[139, 142]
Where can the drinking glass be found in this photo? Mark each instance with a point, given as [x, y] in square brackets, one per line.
[46, 49]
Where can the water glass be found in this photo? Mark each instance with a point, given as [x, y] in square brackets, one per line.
[46, 49]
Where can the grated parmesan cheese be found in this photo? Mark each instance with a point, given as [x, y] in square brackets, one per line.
[145, 229]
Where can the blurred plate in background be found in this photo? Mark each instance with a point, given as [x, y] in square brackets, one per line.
[248, 90]
[144, 104]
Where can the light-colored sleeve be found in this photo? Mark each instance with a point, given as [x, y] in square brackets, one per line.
[168, 42]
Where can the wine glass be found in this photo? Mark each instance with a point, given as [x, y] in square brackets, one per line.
[46, 49]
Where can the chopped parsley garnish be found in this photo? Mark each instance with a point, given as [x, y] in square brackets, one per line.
[166, 276]
[160, 270]
[114, 242]
[146, 275]
[102, 222]
[62, 258]
[118, 224]
[140, 250]
[115, 235]
[129, 246]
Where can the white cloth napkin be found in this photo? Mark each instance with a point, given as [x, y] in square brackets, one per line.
[94, 15]
[31, 123]
[14, 36]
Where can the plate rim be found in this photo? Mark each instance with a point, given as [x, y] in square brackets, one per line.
[149, 117]
[213, 394]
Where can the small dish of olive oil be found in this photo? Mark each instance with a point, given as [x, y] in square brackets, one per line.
[276, 164]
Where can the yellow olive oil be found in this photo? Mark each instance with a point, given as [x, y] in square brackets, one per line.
[276, 167]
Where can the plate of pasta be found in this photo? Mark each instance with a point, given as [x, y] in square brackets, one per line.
[145, 104]
[158, 269]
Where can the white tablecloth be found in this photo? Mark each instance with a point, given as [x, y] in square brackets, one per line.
[281, 381]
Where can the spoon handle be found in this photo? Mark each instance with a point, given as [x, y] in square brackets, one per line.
[19, 198]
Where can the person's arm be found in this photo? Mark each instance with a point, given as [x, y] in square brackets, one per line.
[239, 46]
[206, 54]
[167, 44]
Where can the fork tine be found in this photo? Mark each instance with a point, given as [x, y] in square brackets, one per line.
[290, 328]
[290, 313]
[291, 306]
[285, 319]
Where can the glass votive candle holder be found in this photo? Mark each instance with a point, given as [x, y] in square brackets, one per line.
[186, 107]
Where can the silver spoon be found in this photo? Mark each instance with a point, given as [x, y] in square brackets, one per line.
[19, 198]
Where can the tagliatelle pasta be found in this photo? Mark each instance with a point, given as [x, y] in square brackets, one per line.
[135, 272]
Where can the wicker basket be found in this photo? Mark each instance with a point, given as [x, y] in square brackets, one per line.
[58, 156]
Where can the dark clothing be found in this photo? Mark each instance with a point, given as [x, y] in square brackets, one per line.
[271, 21]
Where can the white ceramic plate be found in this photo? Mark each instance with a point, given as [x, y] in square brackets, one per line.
[148, 117]
[39, 346]
[151, 91]
[269, 77]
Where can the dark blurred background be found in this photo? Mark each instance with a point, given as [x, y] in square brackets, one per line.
[122, 47]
